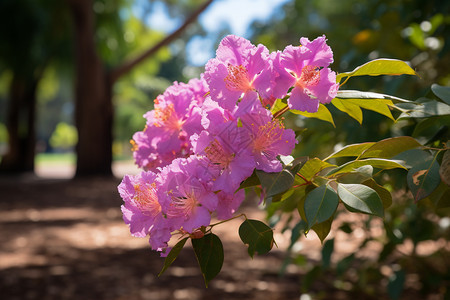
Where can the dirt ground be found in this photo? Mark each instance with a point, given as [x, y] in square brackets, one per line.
[65, 239]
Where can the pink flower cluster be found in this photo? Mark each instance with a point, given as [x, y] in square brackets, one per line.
[205, 137]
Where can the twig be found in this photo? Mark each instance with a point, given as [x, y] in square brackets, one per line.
[129, 65]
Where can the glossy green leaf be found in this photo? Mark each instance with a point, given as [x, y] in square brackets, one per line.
[411, 157]
[382, 66]
[257, 235]
[426, 110]
[376, 105]
[323, 229]
[312, 167]
[173, 254]
[361, 198]
[278, 105]
[380, 163]
[351, 109]
[320, 204]
[359, 175]
[291, 198]
[443, 92]
[390, 147]
[384, 194]
[351, 150]
[430, 127]
[209, 253]
[276, 183]
[423, 178]
[322, 114]
[354, 94]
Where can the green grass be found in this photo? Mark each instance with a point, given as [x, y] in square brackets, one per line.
[55, 158]
[68, 158]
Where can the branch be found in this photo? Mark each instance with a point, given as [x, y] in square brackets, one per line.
[129, 65]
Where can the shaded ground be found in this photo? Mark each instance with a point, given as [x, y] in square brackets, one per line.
[65, 239]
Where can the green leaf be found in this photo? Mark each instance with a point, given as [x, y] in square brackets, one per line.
[173, 254]
[209, 253]
[395, 284]
[312, 167]
[297, 231]
[354, 94]
[323, 229]
[359, 175]
[412, 157]
[322, 114]
[351, 150]
[443, 92]
[320, 205]
[361, 198]
[351, 109]
[423, 178]
[380, 163]
[378, 67]
[376, 105]
[390, 147]
[327, 250]
[251, 181]
[257, 235]
[431, 128]
[426, 110]
[291, 198]
[275, 183]
[277, 106]
[384, 194]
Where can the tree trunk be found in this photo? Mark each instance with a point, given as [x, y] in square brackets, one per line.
[93, 97]
[93, 92]
[21, 126]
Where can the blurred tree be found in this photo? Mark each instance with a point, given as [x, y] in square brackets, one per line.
[64, 137]
[94, 84]
[39, 36]
[33, 33]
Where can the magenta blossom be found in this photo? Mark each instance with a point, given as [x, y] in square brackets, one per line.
[229, 203]
[142, 209]
[188, 199]
[176, 116]
[239, 68]
[267, 138]
[313, 82]
[222, 147]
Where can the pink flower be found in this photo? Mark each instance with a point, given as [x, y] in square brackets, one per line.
[266, 139]
[229, 203]
[177, 115]
[188, 199]
[239, 68]
[311, 78]
[221, 144]
[142, 209]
